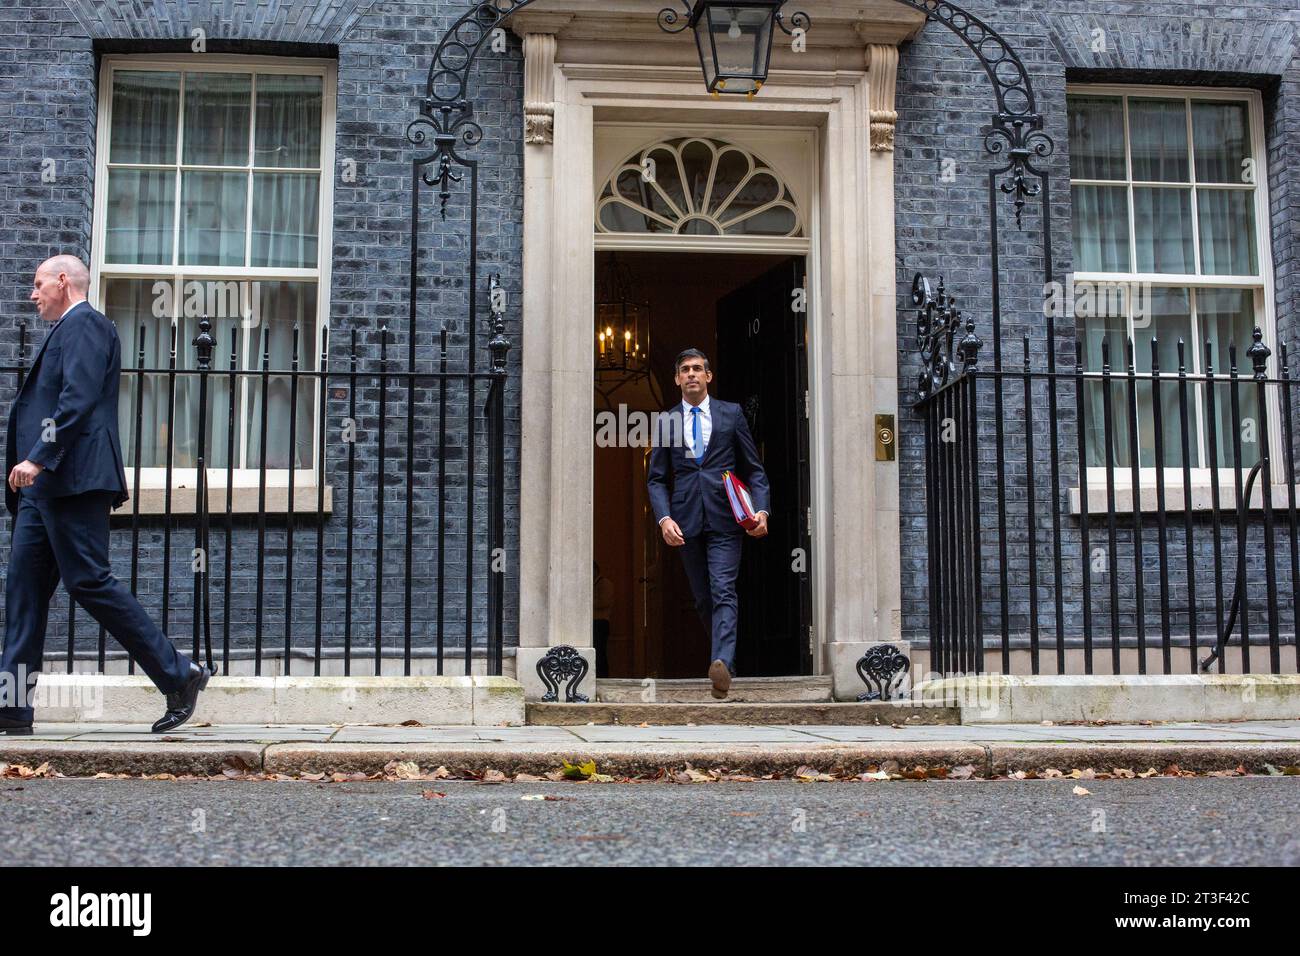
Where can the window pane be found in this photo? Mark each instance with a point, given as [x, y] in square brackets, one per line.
[1167, 319]
[216, 118]
[213, 218]
[1096, 137]
[285, 216]
[145, 108]
[1227, 318]
[1100, 224]
[1162, 220]
[284, 307]
[128, 303]
[1112, 331]
[288, 120]
[133, 305]
[1221, 134]
[1159, 140]
[140, 216]
[1227, 232]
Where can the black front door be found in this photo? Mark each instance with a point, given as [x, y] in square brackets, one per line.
[763, 367]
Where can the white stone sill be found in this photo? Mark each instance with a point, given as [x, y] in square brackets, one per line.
[244, 501]
[1201, 498]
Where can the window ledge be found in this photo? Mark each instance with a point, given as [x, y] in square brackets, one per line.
[244, 501]
[1201, 498]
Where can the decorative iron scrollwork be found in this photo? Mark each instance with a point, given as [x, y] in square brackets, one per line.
[937, 322]
[881, 667]
[1021, 137]
[563, 662]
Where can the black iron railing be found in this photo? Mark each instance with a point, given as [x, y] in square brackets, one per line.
[1066, 536]
[310, 581]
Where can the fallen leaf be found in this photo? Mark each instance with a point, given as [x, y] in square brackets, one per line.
[528, 778]
[578, 771]
[811, 774]
[1048, 723]
[403, 770]
[236, 763]
[600, 778]
[879, 775]
[313, 776]
[1149, 773]
[411, 723]
[964, 772]
[1081, 791]
[1123, 774]
[1051, 773]
[431, 794]
[493, 776]
[1017, 775]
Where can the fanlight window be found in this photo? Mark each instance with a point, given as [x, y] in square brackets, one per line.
[697, 187]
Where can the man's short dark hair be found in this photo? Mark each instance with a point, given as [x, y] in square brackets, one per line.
[690, 353]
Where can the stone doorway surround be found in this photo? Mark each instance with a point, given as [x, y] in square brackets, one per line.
[612, 64]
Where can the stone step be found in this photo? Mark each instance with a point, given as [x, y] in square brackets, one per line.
[902, 713]
[751, 690]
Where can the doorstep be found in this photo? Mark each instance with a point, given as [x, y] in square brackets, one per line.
[882, 713]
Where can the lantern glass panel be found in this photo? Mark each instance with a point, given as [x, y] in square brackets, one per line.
[735, 45]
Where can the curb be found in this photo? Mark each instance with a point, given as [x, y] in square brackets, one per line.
[84, 759]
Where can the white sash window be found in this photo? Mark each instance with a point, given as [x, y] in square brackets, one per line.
[1170, 217]
[212, 200]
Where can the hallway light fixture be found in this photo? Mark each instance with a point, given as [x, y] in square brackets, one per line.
[622, 321]
[734, 39]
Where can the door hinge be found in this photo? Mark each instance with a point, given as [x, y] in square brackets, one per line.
[811, 643]
[810, 522]
[807, 404]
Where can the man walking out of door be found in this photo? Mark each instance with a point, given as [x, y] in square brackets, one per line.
[690, 503]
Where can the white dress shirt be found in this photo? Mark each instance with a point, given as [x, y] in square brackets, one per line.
[706, 424]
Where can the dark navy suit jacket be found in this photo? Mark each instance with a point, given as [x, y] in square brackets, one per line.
[690, 491]
[73, 382]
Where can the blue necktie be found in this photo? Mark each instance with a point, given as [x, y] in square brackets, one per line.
[697, 433]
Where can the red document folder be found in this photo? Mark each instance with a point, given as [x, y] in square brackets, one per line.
[742, 506]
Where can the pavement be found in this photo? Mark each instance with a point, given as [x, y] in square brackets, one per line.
[1130, 823]
[989, 749]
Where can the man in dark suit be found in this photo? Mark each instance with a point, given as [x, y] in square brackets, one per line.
[64, 461]
[691, 504]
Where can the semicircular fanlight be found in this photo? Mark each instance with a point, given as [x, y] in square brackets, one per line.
[695, 186]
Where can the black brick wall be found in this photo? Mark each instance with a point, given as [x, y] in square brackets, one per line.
[48, 89]
[944, 100]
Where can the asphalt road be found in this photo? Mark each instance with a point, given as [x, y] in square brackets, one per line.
[1032, 823]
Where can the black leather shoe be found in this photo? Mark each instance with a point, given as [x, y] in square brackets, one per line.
[14, 728]
[180, 705]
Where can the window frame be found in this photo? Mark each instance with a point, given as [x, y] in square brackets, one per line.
[1262, 284]
[155, 478]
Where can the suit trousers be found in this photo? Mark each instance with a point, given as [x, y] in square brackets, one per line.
[67, 537]
[712, 561]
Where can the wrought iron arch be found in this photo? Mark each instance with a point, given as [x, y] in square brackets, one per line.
[447, 112]
[447, 124]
